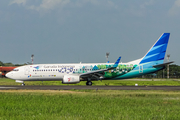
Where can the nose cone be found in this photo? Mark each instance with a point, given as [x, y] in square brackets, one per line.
[9, 75]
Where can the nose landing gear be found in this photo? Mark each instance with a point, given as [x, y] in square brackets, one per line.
[22, 84]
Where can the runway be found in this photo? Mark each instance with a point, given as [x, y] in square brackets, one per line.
[70, 87]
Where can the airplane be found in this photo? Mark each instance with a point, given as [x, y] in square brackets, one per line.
[152, 61]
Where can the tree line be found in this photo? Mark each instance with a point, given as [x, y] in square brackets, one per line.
[10, 64]
[174, 72]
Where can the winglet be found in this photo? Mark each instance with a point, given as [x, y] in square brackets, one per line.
[117, 62]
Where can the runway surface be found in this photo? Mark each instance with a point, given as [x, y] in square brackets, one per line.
[70, 87]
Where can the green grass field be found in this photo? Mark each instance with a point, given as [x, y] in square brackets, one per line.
[89, 105]
[128, 82]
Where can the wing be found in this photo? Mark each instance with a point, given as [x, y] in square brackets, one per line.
[98, 74]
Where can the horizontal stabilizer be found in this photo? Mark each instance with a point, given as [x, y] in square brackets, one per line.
[161, 65]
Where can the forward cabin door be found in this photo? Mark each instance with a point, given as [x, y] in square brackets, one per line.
[26, 70]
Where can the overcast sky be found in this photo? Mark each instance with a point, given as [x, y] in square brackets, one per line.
[72, 31]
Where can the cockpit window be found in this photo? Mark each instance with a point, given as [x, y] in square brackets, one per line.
[15, 69]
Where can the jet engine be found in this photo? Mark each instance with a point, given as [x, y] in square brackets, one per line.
[71, 78]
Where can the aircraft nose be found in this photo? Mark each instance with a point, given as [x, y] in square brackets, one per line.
[8, 75]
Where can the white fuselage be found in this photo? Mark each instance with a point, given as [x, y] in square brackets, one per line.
[51, 72]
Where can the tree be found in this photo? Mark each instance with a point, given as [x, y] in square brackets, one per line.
[1, 63]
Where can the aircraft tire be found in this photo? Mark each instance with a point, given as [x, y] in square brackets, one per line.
[22, 84]
[89, 83]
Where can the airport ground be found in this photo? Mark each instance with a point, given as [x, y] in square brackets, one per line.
[91, 104]
[126, 82]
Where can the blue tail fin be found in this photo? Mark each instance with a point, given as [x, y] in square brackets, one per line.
[158, 50]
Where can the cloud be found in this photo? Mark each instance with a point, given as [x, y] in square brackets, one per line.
[19, 2]
[140, 9]
[177, 3]
[80, 3]
[147, 3]
[111, 4]
[49, 5]
[44, 5]
[175, 8]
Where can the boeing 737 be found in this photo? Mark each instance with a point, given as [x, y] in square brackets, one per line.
[152, 61]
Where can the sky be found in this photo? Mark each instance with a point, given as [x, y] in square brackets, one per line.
[73, 31]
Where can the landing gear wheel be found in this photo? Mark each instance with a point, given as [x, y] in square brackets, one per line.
[22, 84]
[89, 83]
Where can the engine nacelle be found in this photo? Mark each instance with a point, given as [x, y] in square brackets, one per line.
[70, 78]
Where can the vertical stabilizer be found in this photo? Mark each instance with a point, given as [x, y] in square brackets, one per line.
[158, 50]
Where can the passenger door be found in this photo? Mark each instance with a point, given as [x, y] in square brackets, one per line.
[26, 70]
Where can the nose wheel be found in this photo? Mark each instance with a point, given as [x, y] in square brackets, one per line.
[89, 83]
[22, 84]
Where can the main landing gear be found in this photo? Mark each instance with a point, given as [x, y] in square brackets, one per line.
[89, 83]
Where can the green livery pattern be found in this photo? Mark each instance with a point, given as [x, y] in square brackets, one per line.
[119, 71]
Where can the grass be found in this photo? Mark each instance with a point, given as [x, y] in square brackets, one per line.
[128, 82]
[89, 105]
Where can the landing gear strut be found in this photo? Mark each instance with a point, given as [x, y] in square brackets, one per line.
[89, 83]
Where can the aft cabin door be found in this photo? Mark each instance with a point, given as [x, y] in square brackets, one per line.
[26, 70]
[140, 68]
